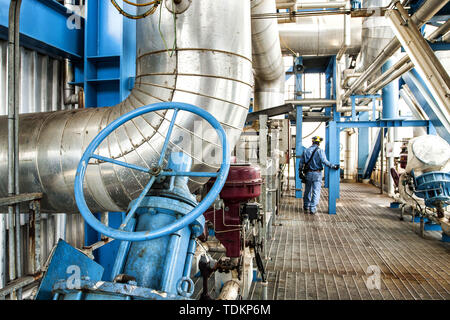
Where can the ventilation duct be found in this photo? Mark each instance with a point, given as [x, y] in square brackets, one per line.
[210, 68]
[267, 58]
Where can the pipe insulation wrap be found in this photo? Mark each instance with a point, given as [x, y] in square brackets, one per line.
[210, 68]
[267, 58]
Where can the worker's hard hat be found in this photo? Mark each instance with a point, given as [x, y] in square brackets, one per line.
[317, 139]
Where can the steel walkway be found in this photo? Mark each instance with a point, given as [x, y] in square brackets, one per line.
[331, 256]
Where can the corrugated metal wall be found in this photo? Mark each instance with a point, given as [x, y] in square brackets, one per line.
[41, 90]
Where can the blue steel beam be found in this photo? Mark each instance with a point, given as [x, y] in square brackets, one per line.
[299, 133]
[384, 123]
[44, 28]
[427, 103]
[334, 175]
[390, 95]
[332, 136]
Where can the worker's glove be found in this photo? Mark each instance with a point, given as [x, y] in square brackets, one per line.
[335, 167]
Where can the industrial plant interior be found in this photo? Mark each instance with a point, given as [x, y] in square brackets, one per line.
[224, 150]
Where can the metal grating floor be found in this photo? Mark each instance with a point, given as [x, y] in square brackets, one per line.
[327, 256]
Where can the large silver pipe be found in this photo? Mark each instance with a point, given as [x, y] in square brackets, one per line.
[403, 65]
[311, 5]
[347, 33]
[321, 35]
[312, 102]
[267, 58]
[423, 57]
[416, 110]
[423, 14]
[211, 68]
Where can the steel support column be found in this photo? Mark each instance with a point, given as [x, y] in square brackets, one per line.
[390, 97]
[298, 125]
[334, 175]
[363, 143]
[298, 151]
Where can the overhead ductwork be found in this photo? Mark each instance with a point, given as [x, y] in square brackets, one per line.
[373, 65]
[210, 68]
[267, 58]
[320, 35]
[376, 33]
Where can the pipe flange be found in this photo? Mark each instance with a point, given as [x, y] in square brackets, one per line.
[178, 6]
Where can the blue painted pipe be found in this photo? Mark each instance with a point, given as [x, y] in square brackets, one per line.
[188, 263]
[390, 95]
[161, 263]
[158, 263]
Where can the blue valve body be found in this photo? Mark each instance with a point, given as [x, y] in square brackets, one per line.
[159, 231]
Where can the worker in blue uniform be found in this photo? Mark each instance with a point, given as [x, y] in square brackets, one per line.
[314, 159]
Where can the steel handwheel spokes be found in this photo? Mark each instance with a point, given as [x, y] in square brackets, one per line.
[153, 172]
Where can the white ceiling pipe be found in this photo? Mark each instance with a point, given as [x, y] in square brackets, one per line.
[312, 5]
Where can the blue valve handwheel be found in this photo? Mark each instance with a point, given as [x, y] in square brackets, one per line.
[178, 224]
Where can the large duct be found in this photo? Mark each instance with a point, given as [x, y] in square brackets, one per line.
[376, 34]
[211, 68]
[320, 35]
[267, 58]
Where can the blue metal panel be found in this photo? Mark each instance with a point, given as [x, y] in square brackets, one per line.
[44, 27]
[67, 262]
[424, 98]
[109, 55]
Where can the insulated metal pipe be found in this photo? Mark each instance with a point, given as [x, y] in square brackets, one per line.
[425, 12]
[311, 5]
[321, 35]
[211, 67]
[347, 33]
[390, 95]
[230, 291]
[403, 65]
[426, 62]
[349, 156]
[312, 102]
[267, 58]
